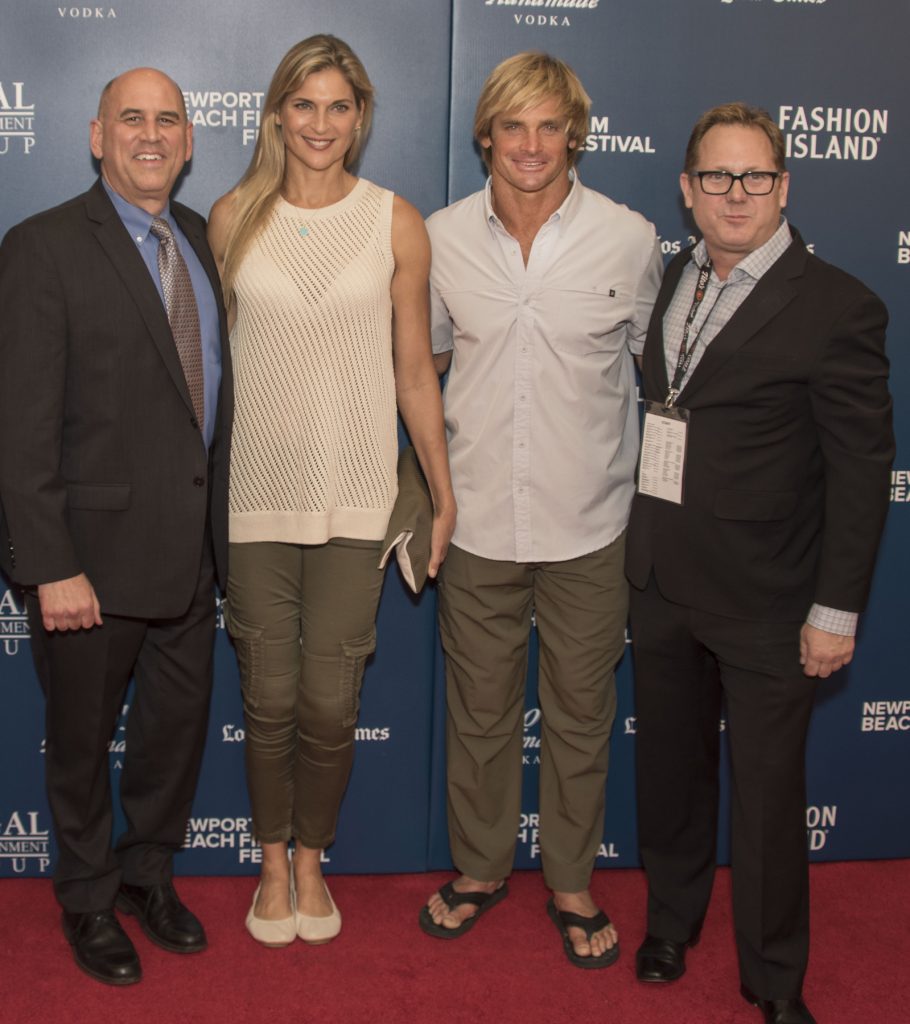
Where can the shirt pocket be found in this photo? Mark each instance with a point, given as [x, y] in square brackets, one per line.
[591, 317]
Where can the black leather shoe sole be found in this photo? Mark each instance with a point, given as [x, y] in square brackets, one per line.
[108, 979]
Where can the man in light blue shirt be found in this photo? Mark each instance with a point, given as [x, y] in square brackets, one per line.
[115, 408]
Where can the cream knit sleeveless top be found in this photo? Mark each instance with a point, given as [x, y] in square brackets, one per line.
[315, 427]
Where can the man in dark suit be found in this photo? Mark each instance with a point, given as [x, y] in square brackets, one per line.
[115, 413]
[762, 494]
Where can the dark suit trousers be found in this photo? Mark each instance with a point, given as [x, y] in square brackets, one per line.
[84, 676]
[685, 662]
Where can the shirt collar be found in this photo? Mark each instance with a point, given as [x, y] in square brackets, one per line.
[564, 213]
[136, 220]
[759, 260]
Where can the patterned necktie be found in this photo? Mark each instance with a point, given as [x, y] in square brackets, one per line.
[182, 313]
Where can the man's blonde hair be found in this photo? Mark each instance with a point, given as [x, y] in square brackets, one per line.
[524, 81]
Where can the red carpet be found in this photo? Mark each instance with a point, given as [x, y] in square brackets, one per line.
[510, 968]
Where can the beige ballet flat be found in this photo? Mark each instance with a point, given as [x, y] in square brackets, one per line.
[316, 930]
[272, 933]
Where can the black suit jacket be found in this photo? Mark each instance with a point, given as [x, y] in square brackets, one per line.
[788, 454]
[102, 468]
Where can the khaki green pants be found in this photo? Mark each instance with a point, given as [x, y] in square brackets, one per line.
[302, 618]
[485, 620]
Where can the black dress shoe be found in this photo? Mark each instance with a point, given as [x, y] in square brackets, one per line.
[662, 959]
[163, 918]
[101, 947]
[780, 1011]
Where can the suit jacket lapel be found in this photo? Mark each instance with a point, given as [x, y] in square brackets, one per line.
[121, 250]
[770, 295]
[655, 360]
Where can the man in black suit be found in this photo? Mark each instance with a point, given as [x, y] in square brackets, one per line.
[762, 494]
[113, 487]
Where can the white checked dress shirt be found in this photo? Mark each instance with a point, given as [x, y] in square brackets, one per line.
[540, 403]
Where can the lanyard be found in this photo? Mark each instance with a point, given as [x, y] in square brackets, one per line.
[685, 350]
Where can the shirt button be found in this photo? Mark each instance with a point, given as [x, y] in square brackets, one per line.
[199, 481]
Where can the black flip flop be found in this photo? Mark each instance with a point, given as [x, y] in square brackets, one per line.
[565, 919]
[452, 899]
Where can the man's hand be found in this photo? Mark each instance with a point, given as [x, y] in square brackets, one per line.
[69, 604]
[822, 653]
[443, 528]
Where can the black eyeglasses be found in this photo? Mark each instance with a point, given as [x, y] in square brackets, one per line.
[754, 183]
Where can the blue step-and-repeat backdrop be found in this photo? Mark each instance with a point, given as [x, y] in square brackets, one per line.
[830, 71]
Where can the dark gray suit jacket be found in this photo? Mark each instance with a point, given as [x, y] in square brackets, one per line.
[789, 450]
[102, 468]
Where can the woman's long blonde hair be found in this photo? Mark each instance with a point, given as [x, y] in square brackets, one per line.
[254, 194]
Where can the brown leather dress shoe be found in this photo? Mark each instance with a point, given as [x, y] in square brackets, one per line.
[661, 960]
[163, 918]
[780, 1011]
[101, 947]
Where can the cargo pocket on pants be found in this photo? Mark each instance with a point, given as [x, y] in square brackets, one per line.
[250, 650]
[354, 656]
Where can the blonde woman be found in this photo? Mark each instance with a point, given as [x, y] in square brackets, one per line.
[326, 276]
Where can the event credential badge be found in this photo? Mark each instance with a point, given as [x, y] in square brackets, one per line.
[663, 452]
